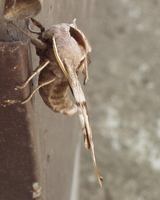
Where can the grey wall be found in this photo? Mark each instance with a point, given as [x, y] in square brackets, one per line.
[124, 100]
[59, 135]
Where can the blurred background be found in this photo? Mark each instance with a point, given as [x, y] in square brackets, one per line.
[124, 100]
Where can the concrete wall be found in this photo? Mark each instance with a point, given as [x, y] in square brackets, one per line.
[125, 100]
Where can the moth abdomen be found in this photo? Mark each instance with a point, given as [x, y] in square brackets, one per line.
[56, 95]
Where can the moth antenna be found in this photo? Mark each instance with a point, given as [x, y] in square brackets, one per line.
[38, 24]
[60, 63]
[74, 22]
[34, 91]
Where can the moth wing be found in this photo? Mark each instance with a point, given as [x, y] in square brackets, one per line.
[83, 113]
[82, 41]
[75, 86]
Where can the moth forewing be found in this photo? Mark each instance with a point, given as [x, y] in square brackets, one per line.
[83, 114]
[70, 73]
[81, 39]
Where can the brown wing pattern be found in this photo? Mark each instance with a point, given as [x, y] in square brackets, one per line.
[70, 74]
[55, 95]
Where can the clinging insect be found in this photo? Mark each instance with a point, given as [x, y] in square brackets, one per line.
[63, 51]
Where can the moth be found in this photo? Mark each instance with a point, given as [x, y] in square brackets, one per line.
[63, 52]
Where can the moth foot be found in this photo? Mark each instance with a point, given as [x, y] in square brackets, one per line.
[19, 87]
[8, 102]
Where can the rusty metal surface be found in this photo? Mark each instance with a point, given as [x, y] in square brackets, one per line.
[17, 160]
[2, 2]
[20, 9]
[22, 129]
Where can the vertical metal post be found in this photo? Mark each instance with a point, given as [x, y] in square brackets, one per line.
[26, 171]
[17, 161]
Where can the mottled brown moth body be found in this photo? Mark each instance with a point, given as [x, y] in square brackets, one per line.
[63, 51]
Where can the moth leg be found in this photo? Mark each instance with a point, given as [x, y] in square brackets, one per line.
[38, 24]
[83, 67]
[36, 71]
[31, 30]
[34, 91]
[85, 71]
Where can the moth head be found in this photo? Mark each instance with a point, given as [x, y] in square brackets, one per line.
[61, 30]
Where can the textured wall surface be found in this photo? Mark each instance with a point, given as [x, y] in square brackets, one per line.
[124, 98]
[59, 134]
[56, 137]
